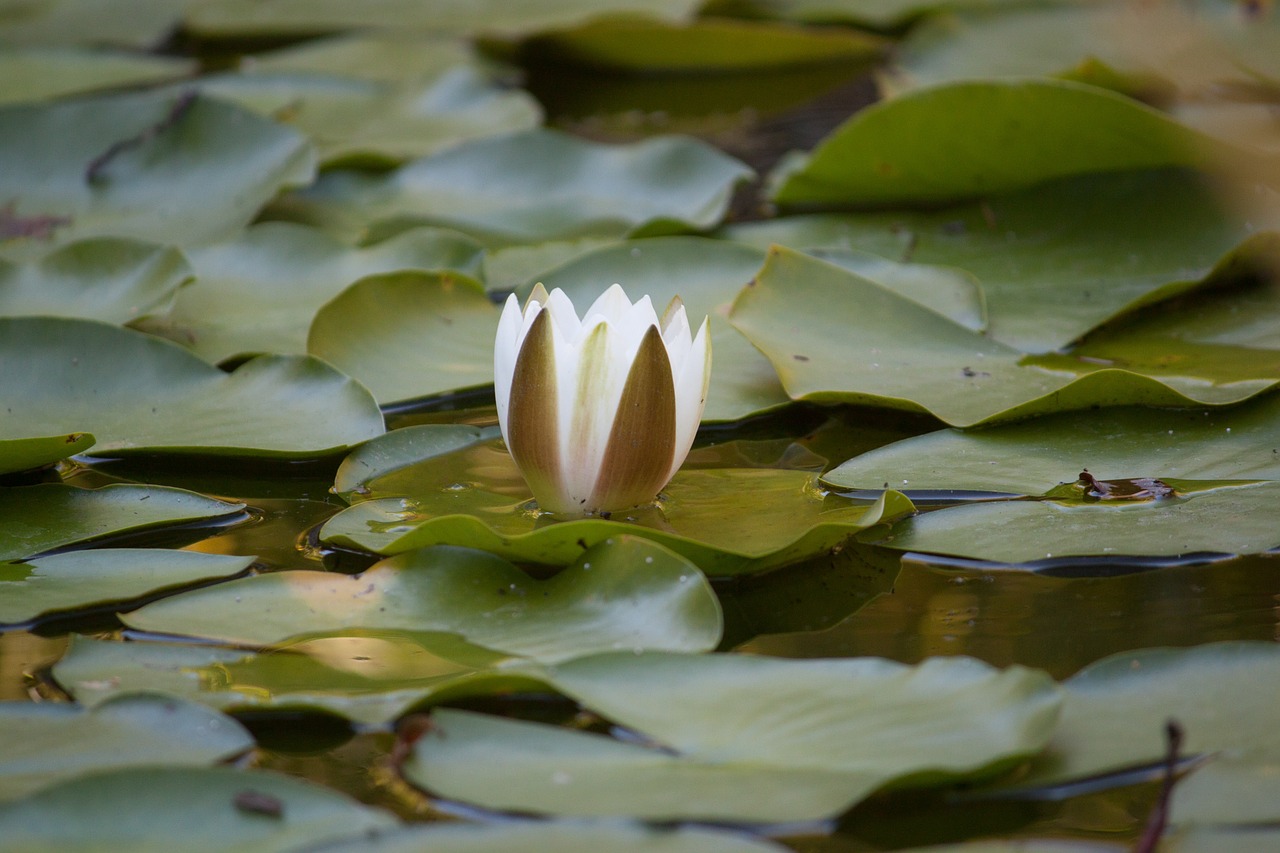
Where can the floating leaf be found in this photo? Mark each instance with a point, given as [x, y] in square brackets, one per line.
[757, 739]
[259, 292]
[363, 122]
[706, 275]
[41, 73]
[106, 576]
[880, 349]
[626, 594]
[1030, 458]
[104, 279]
[144, 810]
[1115, 710]
[530, 187]
[725, 520]
[876, 14]
[44, 743]
[1225, 519]
[379, 56]
[139, 394]
[1241, 788]
[51, 515]
[154, 166]
[25, 454]
[129, 23]
[972, 139]
[403, 448]
[409, 334]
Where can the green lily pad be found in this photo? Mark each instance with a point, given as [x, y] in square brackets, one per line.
[1226, 520]
[878, 348]
[1241, 789]
[369, 677]
[1115, 710]
[1214, 839]
[106, 576]
[725, 520]
[1055, 261]
[629, 593]
[403, 448]
[877, 14]
[636, 45]
[104, 279]
[152, 166]
[142, 395]
[556, 837]
[409, 334]
[52, 515]
[127, 23]
[42, 73]
[259, 292]
[531, 187]
[143, 810]
[972, 139]
[240, 18]
[1030, 458]
[757, 739]
[379, 56]
[948, 291]
[44, 743]
[25, 454]
[363, 122]
[706, 275]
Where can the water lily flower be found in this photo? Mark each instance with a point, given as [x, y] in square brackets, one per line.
[598, 413]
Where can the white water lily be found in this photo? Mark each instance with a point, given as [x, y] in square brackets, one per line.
[598, 413]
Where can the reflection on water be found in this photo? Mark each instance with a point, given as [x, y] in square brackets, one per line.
[22, 653]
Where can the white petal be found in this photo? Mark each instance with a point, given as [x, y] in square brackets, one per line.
[563, 314]
[678, 338]
[692, 383]
[593, 393]
[505, 347]
[612, 305]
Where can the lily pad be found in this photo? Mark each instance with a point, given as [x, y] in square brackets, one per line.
[42, 73]
[143, 810]
[1030, 458]
[379, 56]
[1240, 788]
[25, 454]
[105, 279]
[51, 515]
[556, 837]
[725, 520]
[363, 122]
[1055, 261]
[530, 187]
[403, 448]
[706, 275]
[259, 292]
[126, 23]
[880, 349]
[409, 334]
[625, 594]
[44, 743]
[1222, 520]
[757, 739]
[369, 677]
[877, 14]
[1116, 709]
[972, 139]
[142, 395]
[155, 166]
[107, 576]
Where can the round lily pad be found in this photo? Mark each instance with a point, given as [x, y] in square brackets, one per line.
[41, 73]
[25, 454]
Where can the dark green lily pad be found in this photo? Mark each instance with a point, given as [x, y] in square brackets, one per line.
[51, 515]
[41, 73]
[152, 166]
[973, 139]
[1116, 709]
[105, 576]
[1055, 261]
[725, 520]
[706, 275]
[106, 279]
[259, 292]
[880, 349]
[366, 122]
[1031, 458]
[409, 334]
[44, 743]
[1226, 520]
[757, 739]
[556, 837]
[404, 448]
[143, 810]
[142, 395]
[531, 187]
[25, 454]
[369, 677]
[129, 23]
[629, 593]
